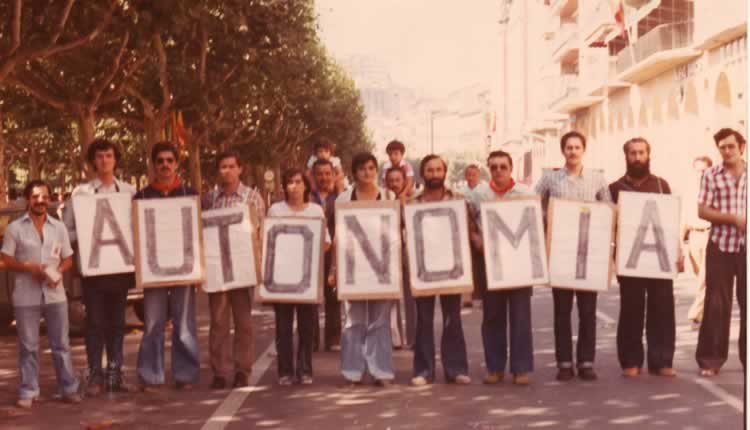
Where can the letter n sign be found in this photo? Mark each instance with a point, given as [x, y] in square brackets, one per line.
[292, 260]
[513, 239]
[437, 239]
[648, 235]
[169, 242]
[368, 250]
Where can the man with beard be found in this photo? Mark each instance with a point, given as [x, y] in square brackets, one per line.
[452, 346]
[37, 248]
[644, 296]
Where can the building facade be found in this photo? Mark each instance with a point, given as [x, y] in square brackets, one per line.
[671, 71]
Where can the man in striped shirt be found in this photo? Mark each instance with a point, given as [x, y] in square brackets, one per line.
[238, 302]
[722, 201]
[573, 182]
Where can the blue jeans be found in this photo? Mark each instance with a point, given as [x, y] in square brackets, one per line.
[366, 341]
[498, 307]
[27, 325]
[180, 303]
[452, 343]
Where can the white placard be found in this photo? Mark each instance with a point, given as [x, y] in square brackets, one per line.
[437, 240]
[513, 243]
[580, 235]
[229, 248]
[105, 234]
[648, 235]
[292, 261]
[368, 250]
[169, 248]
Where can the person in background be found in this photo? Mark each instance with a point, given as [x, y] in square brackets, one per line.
[396, 181]
[695, 237]
[573, 182]
[105, 296]
[323, 150]
[646, 299]
[325, 195]
[433, 170]
[236, 304]
[722, 201]
[366, 340]
[176, 302]
[396, 150]
[473, 177]
[36, 246]
[508, 310]
[296, 203]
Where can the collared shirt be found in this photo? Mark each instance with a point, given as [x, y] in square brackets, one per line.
[485, 193]
[218, 199]
[589, 186]
[328, 204]
[22, 242]
[652, 184]
[721, 191]
[94, 186]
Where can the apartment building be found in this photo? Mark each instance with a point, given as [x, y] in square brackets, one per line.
[672, 71]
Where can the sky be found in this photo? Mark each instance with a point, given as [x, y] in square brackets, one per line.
[433, 45]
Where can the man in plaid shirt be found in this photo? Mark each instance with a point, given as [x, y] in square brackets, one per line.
[239, 302]
[722, 202]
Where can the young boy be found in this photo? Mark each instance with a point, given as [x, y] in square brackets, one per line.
[323, 150]
[395, 150]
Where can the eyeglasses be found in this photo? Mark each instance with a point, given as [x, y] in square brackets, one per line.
[161, 160]
[494, 167]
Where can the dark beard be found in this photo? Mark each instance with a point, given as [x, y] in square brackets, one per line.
[435, 183]
[639, 170]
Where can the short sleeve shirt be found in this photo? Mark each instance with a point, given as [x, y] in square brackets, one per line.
[721, 191]
[589, 186]
[313, 210]
[22, 242]
[403, 165]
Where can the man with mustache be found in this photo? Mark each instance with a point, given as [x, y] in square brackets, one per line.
[452, 346]
[176, 302]
[643, 296]
[36, 247]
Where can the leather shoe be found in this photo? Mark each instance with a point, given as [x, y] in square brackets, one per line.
[587, 374]
[565, 374]
[218, 383]
[240, 380]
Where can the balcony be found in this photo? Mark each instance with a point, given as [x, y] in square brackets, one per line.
[567, 96]
[597, 23]
[661, 49]
[565, 43]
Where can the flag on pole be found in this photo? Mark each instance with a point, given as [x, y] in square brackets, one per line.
[620, 17]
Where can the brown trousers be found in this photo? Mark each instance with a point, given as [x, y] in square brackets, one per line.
[713, 339]
[237, 303]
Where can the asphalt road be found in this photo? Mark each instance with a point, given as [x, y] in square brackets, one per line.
[684, 402]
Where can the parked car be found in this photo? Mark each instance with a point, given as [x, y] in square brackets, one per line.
[71, 282]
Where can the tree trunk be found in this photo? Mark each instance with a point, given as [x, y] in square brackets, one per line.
[3, 171]
[153, 130]
[86, 120]
[194, 163]
[34, 164]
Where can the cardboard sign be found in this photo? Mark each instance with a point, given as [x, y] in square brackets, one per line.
[514, 247]
[292, 260]
[648, 235]
[230, 255]
[368, 250]
[437, 242]
[168, 242]
[105, 235]
[579, 240]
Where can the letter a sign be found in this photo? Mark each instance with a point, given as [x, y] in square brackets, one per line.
[648, 235]
[105, 236]
[168, 236]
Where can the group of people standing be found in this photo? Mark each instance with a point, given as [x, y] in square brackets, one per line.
[38, 247]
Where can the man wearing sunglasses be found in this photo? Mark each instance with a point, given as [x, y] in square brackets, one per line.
[499, 306]
[177, 302]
